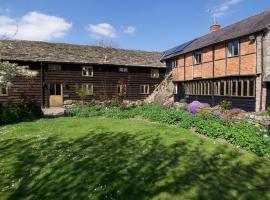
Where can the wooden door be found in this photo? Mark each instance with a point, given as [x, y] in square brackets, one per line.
[55, 94]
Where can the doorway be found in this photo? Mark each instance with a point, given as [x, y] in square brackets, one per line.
[55, 94]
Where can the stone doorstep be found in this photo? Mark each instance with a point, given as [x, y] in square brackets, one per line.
[54, 111]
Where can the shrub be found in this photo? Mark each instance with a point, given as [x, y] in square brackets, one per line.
[225, 105]
[24, 110]
[195, 106]
[89, 111]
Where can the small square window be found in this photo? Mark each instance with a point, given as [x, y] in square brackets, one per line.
[144, 89]
[154, 73]
[123, 69]
[233, 48]
[197, 57]
[3, 91]
[87, 71]
[54, 67]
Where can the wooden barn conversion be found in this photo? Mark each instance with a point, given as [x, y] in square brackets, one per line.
[230, 63]
[63, 68]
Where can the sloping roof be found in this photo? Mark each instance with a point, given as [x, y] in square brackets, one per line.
[21, 50]
[247, 26]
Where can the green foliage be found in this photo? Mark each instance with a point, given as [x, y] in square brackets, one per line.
[24, 110]
[89, 111]
[241, 134]
[225, 105]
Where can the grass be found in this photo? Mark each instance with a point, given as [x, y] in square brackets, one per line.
[98, 158]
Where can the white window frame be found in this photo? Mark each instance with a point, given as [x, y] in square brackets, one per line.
[144, 88]
[195, 58]
[123, 69]
[1, 94]
[174, 63]
[154, 73]
[231, 47]
[89, 87]
[86, 68]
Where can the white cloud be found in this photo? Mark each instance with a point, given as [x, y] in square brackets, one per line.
[130, 29]
[34, 26]
[102, 30]
[222, 9]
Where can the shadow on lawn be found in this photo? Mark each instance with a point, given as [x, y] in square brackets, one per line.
[121, 166]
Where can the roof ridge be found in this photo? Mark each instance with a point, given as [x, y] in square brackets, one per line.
[81, 45]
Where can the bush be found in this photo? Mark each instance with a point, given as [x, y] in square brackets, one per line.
[25, 110]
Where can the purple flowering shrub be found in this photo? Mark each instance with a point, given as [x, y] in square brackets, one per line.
[168, 103]
[195, 107]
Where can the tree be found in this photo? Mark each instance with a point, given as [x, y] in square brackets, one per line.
[10, 70]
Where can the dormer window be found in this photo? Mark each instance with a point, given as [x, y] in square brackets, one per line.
[233, 48]
[197, 57]
[87, 71]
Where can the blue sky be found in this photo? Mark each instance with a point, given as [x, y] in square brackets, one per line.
[141, 24]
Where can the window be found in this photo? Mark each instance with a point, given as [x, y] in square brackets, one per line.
[88, 88]
[144, 89]
[233, 48]
[54, 67]
[123, 69]
[217, 88]
[121, 89]
[245, 89]
[174, 63]
[239, 88]
[197, 57]
[234, 88]
[87, 71]
[3, 91]
[175, 88]
[55, 89]
[154, 73]
[251, 88]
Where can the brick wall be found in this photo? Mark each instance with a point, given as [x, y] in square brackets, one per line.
[244, 64]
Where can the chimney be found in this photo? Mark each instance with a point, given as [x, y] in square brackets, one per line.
[214, 27]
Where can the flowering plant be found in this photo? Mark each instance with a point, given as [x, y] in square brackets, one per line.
[194, 107]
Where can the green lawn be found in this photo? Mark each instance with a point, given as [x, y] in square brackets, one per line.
[94, 158]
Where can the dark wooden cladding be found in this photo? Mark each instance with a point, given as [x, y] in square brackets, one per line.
[268, 95]
[105, 80]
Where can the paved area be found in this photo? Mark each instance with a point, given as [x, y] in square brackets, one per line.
[54, 111]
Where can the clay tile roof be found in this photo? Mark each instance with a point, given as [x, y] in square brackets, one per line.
[21, 50]
[247, 26]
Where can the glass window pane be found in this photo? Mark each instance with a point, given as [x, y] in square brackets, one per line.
[222, 88]
[234, 88]
[227, 88]
[57, 89]
[251, 88]
[245, 88]
[52, 89]
[239, 88]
